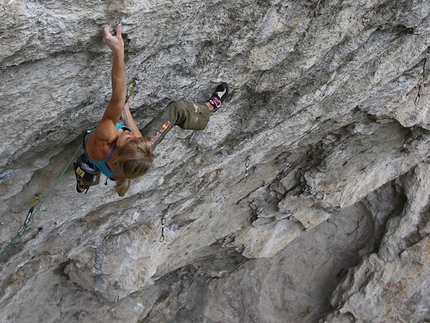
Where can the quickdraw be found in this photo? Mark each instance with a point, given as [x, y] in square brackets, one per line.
[421, 85]
[34, 203]
[426, 61]
[131, 87]
[418, 97]
[247, 163]
[163, 222]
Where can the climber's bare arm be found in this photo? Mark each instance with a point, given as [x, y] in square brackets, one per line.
[129, 121]
[106, 128]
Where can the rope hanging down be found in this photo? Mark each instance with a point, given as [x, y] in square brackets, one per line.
[35, 207]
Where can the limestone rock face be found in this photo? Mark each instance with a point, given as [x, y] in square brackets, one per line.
[329, 105]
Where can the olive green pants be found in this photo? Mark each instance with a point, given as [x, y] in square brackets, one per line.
[192, 116]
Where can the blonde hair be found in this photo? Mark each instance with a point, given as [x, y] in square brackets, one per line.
[122, 186]
[133, 160]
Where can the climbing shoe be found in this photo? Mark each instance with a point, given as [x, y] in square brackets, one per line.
[218, 96]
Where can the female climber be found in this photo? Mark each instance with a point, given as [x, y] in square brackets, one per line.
[123, 152]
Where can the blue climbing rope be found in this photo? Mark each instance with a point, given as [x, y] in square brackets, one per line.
[35, 207]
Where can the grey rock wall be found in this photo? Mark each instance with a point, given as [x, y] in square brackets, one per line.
[332, 224]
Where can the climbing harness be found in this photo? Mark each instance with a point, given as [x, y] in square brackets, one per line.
[36, 204]
[247, 163]
[163, 222]
[85, 172]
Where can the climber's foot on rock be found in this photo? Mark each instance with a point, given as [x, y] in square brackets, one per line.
[218, 97]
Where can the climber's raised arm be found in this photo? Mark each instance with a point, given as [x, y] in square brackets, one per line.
[113, 39]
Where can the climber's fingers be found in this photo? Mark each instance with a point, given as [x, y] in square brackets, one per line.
[112, 37]
[118, 31]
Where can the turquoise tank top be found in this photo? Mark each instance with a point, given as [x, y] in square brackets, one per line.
[101, 165]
